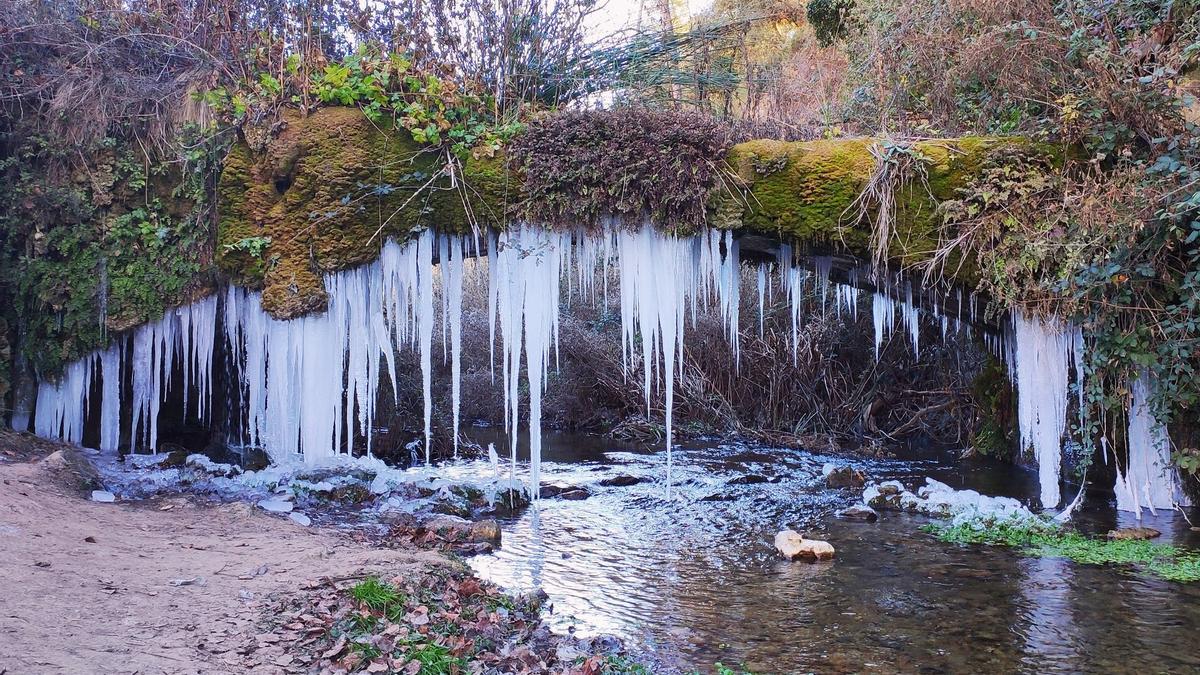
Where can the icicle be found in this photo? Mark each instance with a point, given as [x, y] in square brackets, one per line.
[424, 328]
[822, 267]
[443, 245]
[912, 321]
[453, 279]
[1043, 350]
[883, 314]
[762, 292]
[61, 405]
[110, 397]
[493, 288]
[1149, 480]
[729, 289]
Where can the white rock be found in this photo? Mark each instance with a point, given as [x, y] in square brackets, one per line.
[276, 505]
[301, 519]
[793, 546]
[827, 469]
[103, 496]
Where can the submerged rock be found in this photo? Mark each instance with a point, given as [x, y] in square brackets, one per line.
[1133, 533]
[562, 491]
[205, 464]
[859, 512]
[455, 529]
[751, 479]
[509, 502]
[793, 546]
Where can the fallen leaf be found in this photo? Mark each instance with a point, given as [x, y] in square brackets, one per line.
[335, 649]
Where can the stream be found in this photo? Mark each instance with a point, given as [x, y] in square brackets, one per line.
[693, 579]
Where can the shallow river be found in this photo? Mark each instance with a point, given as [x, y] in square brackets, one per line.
[692, 578]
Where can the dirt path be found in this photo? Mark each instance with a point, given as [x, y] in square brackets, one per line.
[163, 586]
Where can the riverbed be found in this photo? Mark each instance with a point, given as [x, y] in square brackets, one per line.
[690, 578]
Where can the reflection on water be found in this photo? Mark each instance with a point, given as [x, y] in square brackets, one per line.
[694, 579]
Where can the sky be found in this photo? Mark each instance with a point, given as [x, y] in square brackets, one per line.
[617, 15]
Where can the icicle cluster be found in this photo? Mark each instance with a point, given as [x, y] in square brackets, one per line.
[308, 388]
[310, 385]
[184, 337]
[1148, 480]
[1041, 367]
[525, 267]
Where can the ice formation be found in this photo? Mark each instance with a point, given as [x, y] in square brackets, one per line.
[307, 389]
[883, 314]
[64, 405]
[1040, 366]
[1148, 479]
[528, 263]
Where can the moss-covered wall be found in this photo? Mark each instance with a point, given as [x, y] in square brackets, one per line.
[326, 191]
[94, 240]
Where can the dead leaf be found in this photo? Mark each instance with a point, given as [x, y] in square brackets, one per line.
[335, 649]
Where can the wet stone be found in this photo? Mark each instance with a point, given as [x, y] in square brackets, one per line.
[563, 491]
[623, 480]
[1133, 533]
[752, 479]
[858, 512]
[843, 476]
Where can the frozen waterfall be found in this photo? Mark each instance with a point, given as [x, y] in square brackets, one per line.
[1147, 480]
[306, 390]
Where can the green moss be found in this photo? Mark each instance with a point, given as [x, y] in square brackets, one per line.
[808, 199]
[805, 192]
[1044, 538]
[98, 239]
[328, 190]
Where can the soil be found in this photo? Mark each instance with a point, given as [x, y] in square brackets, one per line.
[158, 586]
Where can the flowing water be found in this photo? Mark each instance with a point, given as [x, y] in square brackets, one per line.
[692, 579]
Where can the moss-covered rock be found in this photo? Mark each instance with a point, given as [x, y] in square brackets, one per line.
[805, 192]
[330, 187]
[325, 193]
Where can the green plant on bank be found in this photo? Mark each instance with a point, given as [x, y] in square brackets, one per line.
[388, 88]
[1045, 538]
[254, 246]
[109, 242]
[379, 596]
[615, 664]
